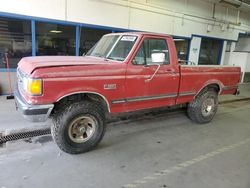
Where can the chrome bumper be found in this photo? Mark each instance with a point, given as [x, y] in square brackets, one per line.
[33, 113]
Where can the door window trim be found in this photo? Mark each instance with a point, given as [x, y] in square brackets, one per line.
[141, 42]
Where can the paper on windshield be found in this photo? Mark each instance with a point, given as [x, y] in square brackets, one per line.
[128, 38]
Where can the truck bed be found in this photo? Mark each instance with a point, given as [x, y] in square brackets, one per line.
[226, 78]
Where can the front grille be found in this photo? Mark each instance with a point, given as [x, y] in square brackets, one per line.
[20, 77]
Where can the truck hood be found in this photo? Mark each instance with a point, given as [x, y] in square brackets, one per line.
[29, 64]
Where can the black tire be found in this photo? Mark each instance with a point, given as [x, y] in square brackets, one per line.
[199, 111]
[63, 123]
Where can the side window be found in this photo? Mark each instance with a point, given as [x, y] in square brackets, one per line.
[148, 47]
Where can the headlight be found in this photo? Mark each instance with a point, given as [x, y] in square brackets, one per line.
[32, 85]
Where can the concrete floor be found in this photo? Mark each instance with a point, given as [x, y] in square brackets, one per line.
[166, 150]
[11, 120]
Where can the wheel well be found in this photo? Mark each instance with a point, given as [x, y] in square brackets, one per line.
[215, 87]
[93, 97]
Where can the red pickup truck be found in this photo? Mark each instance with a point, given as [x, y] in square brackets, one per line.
[123, 72]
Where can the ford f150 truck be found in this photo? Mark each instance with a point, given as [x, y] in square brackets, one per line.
[123, 72]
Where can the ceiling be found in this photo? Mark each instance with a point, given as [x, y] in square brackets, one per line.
[246, 1]
[242, 5]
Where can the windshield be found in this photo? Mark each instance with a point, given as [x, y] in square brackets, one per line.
[115, 47]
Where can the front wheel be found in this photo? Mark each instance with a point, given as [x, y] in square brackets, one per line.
[204, 107]
[79, 128]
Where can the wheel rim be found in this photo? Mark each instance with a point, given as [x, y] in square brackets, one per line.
[82, 129]
[208, 107]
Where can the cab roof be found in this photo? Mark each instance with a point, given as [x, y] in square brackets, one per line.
[141, 34]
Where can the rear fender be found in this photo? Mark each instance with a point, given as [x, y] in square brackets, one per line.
[210, 83]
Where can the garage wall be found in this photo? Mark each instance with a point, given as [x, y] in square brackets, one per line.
[239, 55]
[46, 8]
[5, 84]
[177, 17]
[241, 59]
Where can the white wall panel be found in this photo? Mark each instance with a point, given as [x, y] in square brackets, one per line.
[201, 8]
[195, 50]
[40, 8]
[239, 59]
[226, 58]
[98, 12]
[150, 21]
[223, 53]
[247, 68]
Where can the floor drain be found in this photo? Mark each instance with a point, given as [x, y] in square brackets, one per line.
[22, 135]
[1, 144]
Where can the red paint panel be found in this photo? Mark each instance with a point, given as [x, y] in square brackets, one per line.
[164, 83]
[195, 78]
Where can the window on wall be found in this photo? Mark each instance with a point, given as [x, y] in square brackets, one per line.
[55, 39]
[243, 43]
[89, 37]
[182, 48]
[210, 51]
[15, 41]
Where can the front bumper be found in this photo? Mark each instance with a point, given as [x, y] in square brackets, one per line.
[33, 113]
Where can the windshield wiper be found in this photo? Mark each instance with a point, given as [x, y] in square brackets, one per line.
[116, 58]
[99, 55]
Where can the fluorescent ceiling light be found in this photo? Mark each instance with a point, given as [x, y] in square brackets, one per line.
[55, 31]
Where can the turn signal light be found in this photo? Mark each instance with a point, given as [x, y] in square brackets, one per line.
[33, 86]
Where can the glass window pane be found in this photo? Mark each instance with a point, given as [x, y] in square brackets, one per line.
[89, 37]
[15, 41]
[182, 48]
[140, 58]
[210, 51]
[103, 47]
[155, 45]
[55, 39]
[122, 48]
[148, 47]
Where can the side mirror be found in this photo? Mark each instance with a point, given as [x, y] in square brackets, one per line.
[158, 57]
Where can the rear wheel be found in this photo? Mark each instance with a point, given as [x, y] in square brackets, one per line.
[79, 128]
[204, 107]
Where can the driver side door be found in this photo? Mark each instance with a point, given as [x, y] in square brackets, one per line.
[150, 84]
